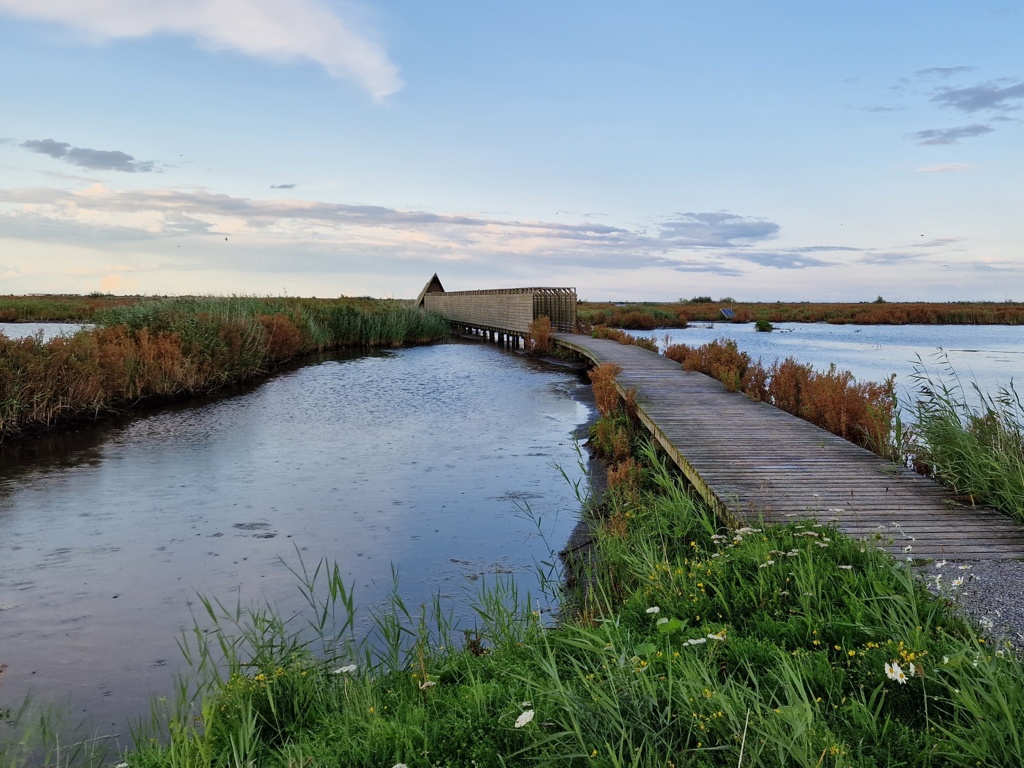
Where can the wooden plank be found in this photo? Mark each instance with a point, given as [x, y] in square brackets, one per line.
[751, 461]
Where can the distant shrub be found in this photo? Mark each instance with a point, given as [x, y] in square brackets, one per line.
[764, 326]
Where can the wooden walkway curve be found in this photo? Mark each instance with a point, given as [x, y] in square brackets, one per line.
[750, 459]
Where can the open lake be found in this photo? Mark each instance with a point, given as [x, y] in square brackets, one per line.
[991, 355]
[426, 459]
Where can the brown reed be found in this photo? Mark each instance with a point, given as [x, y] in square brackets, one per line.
[863, 413]
[540, 336]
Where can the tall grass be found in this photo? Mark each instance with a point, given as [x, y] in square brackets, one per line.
[174, 348]
[976, 448]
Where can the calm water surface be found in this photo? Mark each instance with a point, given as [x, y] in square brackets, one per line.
[48, 330]
[992, 355]
[423, 458]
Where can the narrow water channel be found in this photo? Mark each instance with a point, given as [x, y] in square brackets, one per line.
[425, 459]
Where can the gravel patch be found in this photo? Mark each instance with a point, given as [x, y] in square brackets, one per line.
[992, 594]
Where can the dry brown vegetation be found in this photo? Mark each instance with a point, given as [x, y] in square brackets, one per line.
[650, 315]
[540, 336]
[604, 332]
[863, 413]
[158, 351]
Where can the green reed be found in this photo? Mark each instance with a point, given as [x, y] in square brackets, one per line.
[976, 448]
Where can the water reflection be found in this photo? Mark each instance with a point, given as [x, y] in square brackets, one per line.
[422, 457]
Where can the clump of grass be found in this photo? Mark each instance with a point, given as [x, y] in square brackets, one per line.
[977, 449]
[540, 338]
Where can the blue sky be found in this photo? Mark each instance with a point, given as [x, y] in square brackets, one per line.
[651, 150]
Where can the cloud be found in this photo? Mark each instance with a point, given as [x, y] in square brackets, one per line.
[987, 96]
[716, 242]
[283, 186]
[945, 168]
[93, 159]
[786, 259]
[714, 229]
[268, 29]
[941, 72]
[938, 136]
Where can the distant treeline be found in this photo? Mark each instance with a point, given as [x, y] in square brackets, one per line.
[165, 349]
[649, 315]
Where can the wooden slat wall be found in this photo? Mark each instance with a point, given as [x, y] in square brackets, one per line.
[511, 309]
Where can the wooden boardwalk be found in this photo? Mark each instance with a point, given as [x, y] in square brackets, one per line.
[749, 459]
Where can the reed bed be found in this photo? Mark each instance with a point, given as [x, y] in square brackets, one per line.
[865, 413]
[159, 350]
[58, 309]
[974, 445]
[649, 315]
[692, 645]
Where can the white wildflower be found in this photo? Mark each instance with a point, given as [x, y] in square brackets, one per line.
[524, 718]
[662, 620]
[893, 672]
[945, 659]
[526, 704]
[845, 567]
[941, 563]
[696, 641]
[427, 684]
[913, 669]
[653, 609]
[964, 567]
[348, 669]
[958, 582]
[720, 636]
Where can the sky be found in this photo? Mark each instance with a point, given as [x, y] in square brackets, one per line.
[654, 150]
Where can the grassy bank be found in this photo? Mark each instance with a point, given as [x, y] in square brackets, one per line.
[649, 315]
[158, 350]
[60, 309]
[692, 645]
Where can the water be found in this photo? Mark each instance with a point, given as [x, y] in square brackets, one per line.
[991, 355]
[424, 458]
[48, 330]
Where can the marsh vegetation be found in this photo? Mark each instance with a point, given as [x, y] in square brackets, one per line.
[160, 350]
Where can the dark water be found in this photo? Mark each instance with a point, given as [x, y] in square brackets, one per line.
[420, 458]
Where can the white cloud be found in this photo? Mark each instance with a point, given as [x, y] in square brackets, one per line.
[944, 168]
[273, 29]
